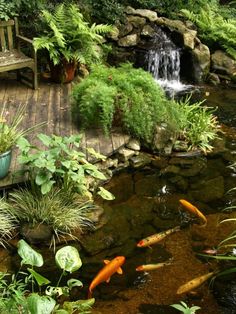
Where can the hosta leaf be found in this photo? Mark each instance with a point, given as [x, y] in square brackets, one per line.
[29, 256]
[40, 304]
[68, 259]
[106, 194]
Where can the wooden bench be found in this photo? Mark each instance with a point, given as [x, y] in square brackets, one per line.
[11, 56]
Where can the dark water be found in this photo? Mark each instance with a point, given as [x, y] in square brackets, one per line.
[147, 202]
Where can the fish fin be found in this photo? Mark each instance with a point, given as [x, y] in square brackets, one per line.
[106, 261]
[108, 280]
[119, 271]
[90, 294]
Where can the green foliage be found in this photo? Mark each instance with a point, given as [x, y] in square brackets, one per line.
[197, 124]
[7, 223]
[14, 298]
[183, 307]
[63, 210]
[68, 36]
[125, 95]
[59, 163]
[214, 28]
[7, 10]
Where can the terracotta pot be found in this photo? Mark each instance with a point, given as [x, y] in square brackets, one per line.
[5, 162]
[63, 72]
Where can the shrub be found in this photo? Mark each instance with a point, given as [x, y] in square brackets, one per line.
[125, 95]
[7, 223]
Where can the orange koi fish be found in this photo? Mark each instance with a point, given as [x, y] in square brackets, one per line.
[194, 283]
[156, 237]
[152, 266]
[106, 272]
[194, 211]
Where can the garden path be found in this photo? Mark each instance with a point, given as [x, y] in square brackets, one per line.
[50, 103]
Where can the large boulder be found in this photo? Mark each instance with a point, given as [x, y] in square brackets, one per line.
[201, 62]
[222, 63]
[128, 41]
[148, 14]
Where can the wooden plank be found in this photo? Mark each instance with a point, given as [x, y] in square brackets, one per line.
[10, 38]
[2, 39]
[55, 107]
[65, 112]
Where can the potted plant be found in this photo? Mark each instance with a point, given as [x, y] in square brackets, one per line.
[9, 135]
[69, 39]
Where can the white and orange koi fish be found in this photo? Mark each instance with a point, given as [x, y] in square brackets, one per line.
[149, 267]
[192, 209]
[156, 237]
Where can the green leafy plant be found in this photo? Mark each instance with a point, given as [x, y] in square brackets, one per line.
[60, 163]
[201, 134]
[185, 309]
[125, 96]
[7, 10]
[68, 36]
[15, 298]
[63, 211]
[214, 28]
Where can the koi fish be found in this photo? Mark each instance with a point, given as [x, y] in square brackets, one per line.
[194, 210]
[106, 272]
[194, 283]
[152, 266]
[156, 237]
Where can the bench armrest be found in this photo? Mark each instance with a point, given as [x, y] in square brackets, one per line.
[30, 41]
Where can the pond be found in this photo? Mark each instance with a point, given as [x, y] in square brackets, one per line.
[147, 202]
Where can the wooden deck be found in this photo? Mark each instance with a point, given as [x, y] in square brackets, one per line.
[50, 103]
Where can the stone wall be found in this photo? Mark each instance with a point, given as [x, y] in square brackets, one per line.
[134, 36]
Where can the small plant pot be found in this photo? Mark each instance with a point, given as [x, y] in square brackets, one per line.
[5, 162]
[63, 72]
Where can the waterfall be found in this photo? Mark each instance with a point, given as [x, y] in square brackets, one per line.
[163, 61]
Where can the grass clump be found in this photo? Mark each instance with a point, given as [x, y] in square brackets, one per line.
[62, 210]
[7, 223]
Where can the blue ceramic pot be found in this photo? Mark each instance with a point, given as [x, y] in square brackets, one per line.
[5, 162]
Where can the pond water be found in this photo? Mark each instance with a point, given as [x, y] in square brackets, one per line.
[147, 202]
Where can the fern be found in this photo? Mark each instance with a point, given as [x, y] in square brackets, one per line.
[69, 36]
[213, 27]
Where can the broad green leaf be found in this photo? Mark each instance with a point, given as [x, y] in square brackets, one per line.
[74, 283]
[68, 259]
[95, 154]
[46, 140]
[29, 256]
[39, 278]
[106, 194]
[46, 187]
[40, 304]
[41, 178]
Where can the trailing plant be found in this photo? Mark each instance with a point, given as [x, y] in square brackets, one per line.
[214, 28]
[25, 301]
[185, 309]
[60, 163]
[63, 211]
[68, 36]
[123, 95]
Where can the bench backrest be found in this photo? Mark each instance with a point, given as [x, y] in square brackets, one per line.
[7, 31]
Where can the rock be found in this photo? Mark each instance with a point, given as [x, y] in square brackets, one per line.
[162, 138]
[37, 233]
[159, 162]
[134, 145]
[114, 34]
[222, 63]
[128, 41]
[124, 154]
[213, 79]
[125, 29]
[214, 188]
[148, 14]
[176, 25]
[108, 163]
[148, 31]
[171, 169]
[140, 161]
[136, 21]
[189, 39]
[201, 62]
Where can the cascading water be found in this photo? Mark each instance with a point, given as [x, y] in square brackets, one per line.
[163, 61]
